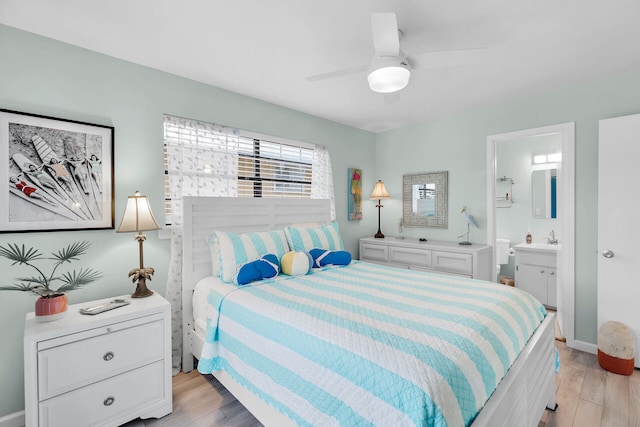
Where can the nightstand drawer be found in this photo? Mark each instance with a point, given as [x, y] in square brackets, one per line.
[103, 402]
[78, 363]
[453, 262]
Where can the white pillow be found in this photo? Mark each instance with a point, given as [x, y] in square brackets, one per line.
[236, 250]
[306, 238]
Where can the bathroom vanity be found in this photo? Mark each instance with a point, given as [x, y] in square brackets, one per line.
[535, 271]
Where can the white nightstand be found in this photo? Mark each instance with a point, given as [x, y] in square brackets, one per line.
[101, 370]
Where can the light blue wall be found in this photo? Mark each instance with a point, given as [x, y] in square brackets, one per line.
[42, 76]
[458, 144]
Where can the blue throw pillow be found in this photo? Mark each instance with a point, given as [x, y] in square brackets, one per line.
[260, 269]
[323, 257]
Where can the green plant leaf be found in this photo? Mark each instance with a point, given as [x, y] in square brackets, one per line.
[74, 281]
[20, 287]
[36, 289]
[19, 255]
[42, 284]
[71, 252]
[33, 279]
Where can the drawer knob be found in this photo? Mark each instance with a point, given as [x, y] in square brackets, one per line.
[109, 401]
[108, 356]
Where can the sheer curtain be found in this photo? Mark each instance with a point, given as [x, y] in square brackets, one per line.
[322, 177]
[202, 160]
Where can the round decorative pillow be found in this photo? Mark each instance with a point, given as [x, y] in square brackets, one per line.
[296, 263]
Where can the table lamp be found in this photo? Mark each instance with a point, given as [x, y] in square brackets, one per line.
[139, 217]
[379, 193]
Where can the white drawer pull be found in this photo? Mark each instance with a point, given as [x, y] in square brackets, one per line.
[108, 356]
[109, 401]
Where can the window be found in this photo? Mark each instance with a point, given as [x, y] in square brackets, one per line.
[204, 159]
[272, 169]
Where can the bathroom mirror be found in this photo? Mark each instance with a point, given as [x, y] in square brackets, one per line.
[544, 193]
[424, 200]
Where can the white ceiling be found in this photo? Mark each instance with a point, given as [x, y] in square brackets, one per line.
[266, 49]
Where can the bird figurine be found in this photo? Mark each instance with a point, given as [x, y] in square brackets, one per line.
[470, 221]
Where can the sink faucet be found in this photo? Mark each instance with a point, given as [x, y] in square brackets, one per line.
[552, 239]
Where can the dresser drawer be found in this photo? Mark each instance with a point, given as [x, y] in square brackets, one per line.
[105, 402]
[110, 352]
[372, 252]
[453, 262]
[410, 256]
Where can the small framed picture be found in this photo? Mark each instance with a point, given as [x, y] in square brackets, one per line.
[58, 175]
[355, 194]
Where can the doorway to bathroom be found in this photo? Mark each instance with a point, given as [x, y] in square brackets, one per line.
[530, 188]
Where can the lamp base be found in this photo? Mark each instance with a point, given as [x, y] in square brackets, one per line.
[140, 275]
[379, 235]
[465, 243]
[141, 290]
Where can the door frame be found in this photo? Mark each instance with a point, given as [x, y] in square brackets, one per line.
[566, 217]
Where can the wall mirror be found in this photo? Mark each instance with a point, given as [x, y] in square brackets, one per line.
[424, 200]
[543, 191]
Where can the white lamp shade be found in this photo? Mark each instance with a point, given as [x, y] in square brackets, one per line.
[138, 215]
[379, 192]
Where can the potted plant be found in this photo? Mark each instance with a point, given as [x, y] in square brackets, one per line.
[51, 288]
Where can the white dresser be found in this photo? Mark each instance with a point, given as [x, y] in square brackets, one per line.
[100, 370]
[536, 271]
[439, 257]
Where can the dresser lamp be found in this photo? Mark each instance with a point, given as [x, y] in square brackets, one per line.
[379, 194]
[139, 217]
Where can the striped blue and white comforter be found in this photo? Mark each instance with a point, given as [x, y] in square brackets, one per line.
[370, 345]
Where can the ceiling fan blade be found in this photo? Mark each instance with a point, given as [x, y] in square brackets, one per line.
[384, 28]
[338, 73]
[446, 58]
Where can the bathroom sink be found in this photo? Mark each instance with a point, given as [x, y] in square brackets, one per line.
[538, 247]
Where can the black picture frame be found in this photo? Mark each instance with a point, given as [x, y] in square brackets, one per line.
[58, 174]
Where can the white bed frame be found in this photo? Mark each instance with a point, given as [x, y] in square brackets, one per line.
[520, 398]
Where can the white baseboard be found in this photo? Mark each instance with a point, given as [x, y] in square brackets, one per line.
[582, 346]
[13, 420]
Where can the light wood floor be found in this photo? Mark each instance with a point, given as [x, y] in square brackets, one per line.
[586, 395]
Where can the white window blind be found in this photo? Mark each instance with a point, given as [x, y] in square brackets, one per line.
[273, 169]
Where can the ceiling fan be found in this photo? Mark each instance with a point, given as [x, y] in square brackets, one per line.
[390, 68]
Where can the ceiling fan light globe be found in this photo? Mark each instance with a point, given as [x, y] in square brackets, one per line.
[388, 75]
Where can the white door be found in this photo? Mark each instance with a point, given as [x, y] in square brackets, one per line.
[618, 224]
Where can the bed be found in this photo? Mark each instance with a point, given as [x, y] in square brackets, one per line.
[519, 398]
